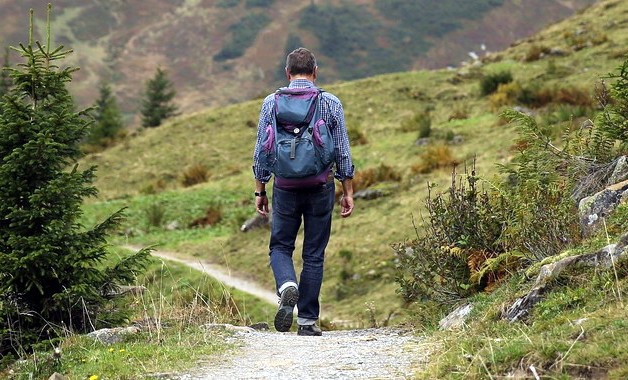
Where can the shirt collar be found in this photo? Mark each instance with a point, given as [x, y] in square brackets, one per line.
[301, 83]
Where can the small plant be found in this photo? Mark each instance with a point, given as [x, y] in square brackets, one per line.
[433, 158]
[490, 83]
[356, 136]
[421, 122]
[155, 215]
[194, 175]
[534, 53]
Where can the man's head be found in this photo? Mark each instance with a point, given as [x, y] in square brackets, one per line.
[301, 63]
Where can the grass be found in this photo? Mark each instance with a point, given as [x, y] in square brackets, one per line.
[172, 311]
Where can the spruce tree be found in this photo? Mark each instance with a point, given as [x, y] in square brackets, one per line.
[157, 104]
[107, 119]
[53, 277]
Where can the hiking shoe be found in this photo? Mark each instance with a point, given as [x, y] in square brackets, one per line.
[283, 318]
[309, 330]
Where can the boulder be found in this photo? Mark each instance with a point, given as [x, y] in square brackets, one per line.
[456, 319]
[592, 209]
[257, 221]
[113, 335]
[604, 257]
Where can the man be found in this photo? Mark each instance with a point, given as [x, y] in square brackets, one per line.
[311, 204]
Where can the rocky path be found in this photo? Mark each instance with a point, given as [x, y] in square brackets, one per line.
[350, 354]
[383, 353]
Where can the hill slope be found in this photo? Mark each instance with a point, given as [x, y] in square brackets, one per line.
[221, 52]
[144, 172]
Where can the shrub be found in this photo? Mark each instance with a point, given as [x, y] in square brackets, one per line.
[421, 122]
[490, 83]
[434, 157]
[534, 53]
[369, 177]
[463, 230]
[213, 215]
[356, 136]
[194, 175]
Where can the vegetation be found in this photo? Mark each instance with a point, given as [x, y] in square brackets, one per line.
[52, 278]
[158, 104]
[108, 126]
[490, 221]
[243, 34]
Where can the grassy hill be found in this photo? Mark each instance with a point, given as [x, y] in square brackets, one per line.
[208, 46]
[144, 173]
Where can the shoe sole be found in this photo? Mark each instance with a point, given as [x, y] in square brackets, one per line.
[301, 333]
[283, 318]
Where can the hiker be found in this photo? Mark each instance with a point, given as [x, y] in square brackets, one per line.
[299, 196]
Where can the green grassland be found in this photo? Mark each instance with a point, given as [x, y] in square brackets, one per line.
[144, 172]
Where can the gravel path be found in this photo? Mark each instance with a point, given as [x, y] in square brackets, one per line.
[350, 354]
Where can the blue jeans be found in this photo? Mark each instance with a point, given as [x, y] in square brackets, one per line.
[314, 207]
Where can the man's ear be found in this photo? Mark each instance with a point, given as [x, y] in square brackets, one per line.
[287, 73]
[315, 72]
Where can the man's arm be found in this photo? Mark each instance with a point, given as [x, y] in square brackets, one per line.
[261, 200]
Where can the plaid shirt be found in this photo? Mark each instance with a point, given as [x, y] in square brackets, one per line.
[331, 112]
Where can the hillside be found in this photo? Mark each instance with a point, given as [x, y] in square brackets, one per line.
[144, 173]
[210, 46]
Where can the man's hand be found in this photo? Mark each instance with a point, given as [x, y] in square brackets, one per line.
[261, 205]
[346, 206]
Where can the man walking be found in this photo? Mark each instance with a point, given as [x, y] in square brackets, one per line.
[307, 200]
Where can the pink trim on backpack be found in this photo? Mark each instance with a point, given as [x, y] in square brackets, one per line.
[269, 144]
[318, 140]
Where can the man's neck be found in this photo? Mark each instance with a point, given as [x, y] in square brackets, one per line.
[311, 78]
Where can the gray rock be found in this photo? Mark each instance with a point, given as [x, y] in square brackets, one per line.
[600, 205]
[57, 376]
[368, 194]
[456, 319]
[521, 308]
[257, 221]
[113, 335]
[620, 173]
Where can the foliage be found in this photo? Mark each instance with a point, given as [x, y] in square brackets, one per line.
[107, 120]
[258, 3]
[157, 104]
[195, 174]
[489, 83]
[52, 275]
[464, 229]
[243, 34]
[434, 157]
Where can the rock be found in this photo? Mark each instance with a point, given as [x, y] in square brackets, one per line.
[57, 376]
[620, 173]
[422, 141]
[456, 319]
[604, 257]
[173, 226]
[227, 327]
[600, 205]
[260, 326]
[258, 221]
[368, 194]
[113, 335]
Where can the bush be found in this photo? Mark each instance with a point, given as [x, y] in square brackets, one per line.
[356, 136]
[464, 229]
[434, 157]
[194, 175]
[490, 83]
[420, 122]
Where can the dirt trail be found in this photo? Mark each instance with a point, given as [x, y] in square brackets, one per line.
[383, 353]
[218, 272]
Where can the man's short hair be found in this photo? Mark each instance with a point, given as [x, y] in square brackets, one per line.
[300, 61]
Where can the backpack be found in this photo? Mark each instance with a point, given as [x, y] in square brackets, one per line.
[298, 147]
